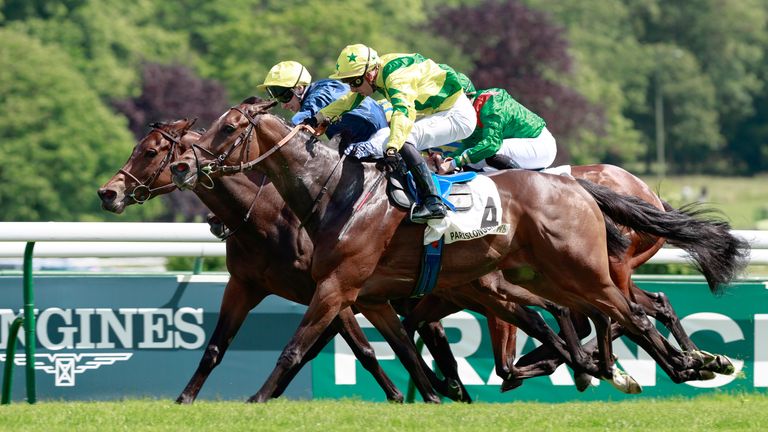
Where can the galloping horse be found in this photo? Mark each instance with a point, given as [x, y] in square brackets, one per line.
[266, 252]
[554, 221]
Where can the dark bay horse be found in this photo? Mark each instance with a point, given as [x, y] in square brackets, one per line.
[266, 253]
[555, 220]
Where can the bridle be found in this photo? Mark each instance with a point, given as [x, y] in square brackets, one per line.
[143, 191]
[218, 165]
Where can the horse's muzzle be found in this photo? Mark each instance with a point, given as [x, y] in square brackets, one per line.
[183, 176]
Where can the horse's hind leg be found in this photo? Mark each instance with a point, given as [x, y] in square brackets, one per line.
[237, 301]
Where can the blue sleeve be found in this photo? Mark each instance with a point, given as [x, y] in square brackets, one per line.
[318, 95]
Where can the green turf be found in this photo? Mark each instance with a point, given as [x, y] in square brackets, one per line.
[721, 412]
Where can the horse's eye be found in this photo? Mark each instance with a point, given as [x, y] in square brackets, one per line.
[150, 153]
[228, 129]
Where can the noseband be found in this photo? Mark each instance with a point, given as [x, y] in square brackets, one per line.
[143, 190]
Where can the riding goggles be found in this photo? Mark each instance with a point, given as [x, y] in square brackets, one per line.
[281, 94]
[355, 81]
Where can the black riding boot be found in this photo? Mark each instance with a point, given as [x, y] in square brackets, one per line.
[501, 162]
[430, 205]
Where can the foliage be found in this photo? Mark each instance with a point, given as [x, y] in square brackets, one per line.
[58, 141]
[522, 51]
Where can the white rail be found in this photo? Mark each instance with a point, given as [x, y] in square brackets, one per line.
[128, 239]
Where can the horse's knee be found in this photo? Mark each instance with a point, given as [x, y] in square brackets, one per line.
[289, 358]
[211, 357]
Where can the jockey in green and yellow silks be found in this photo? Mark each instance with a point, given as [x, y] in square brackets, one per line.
[429, 109]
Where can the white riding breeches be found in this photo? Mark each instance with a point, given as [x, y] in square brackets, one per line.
[528, 153]
[435, 129]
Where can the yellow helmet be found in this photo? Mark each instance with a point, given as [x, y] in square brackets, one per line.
[354, 61]
[288, 74]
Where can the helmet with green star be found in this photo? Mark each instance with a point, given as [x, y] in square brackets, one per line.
[355, 60]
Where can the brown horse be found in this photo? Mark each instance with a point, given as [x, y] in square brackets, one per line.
[266, 252]
[639, 251]
[554, 220]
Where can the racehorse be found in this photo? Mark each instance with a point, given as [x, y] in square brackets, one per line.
[149, 161]
[554, 221]
[266, 252]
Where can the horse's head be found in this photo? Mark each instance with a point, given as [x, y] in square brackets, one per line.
[231, 140]
[146, 174]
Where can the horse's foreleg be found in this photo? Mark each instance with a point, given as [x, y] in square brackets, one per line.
[325, 306]
[384, 318]
[425, 317]
[353, 335]
[325, 337]
[237, 301]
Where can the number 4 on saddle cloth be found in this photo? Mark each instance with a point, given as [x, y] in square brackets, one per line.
[474, 210]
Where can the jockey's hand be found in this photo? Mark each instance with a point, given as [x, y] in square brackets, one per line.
[392, 159]
[318, 122]
[448, 166]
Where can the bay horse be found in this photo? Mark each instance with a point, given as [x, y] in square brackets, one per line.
[266, 252]
[554, 221]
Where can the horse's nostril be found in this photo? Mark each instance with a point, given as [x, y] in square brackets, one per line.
[107, 194]
[181, 167]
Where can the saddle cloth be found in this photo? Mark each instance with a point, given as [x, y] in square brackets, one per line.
[483, 218]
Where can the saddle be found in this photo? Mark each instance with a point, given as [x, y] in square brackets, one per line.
[453, 189]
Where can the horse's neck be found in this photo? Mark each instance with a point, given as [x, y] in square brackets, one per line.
[232, 198]
[312, 182]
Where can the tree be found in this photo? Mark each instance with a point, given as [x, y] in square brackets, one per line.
[523, 51]
[58, 141]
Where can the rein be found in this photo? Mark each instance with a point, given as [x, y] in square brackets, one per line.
[248, 213]
[146, 186]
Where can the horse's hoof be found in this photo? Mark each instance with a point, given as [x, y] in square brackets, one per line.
[703, 356]
[583, 380]
[624, 383]
[457, 392]
[257, 399]
[725, 367]
[705, 375]
[510, 384]
[184, 400]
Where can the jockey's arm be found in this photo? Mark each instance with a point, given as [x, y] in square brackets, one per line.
[344, 104]
[402, 94]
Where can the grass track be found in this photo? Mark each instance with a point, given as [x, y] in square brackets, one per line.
[722, 412]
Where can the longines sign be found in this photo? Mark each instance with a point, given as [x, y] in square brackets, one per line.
[104, 337]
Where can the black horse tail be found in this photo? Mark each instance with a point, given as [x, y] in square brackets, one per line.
[717, 254]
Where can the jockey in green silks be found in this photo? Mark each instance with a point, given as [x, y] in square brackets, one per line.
[429, 109]
[507, 135]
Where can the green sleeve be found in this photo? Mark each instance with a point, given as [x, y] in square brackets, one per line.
[344, 104]
[487, 138]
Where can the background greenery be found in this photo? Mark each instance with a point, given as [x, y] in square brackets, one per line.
[80, 79]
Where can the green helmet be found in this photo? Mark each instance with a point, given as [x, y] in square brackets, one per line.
[288, 74]
[354, 61]
[466, 85]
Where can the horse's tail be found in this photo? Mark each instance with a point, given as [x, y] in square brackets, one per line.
[717, 254]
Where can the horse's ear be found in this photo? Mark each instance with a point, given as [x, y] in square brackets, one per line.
[265, 106]
[188, 124]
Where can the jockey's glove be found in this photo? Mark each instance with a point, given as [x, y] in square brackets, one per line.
[392, 159]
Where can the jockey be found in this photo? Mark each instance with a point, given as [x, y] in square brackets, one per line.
[290, 83]
[416, 87]
[508, 135]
